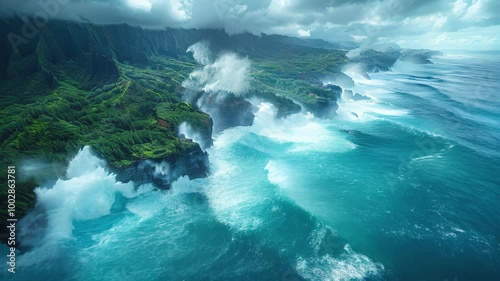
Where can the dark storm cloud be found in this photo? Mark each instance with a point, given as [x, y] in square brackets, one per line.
[151, 14]
[359, 20]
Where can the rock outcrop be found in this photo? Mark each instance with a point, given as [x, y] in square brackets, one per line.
[162, 172]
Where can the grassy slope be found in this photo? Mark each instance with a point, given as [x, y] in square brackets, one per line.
[119, 120]
[60, 97]
[296, 75]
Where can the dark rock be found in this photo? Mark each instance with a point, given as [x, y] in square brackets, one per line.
[162, 173]
[419, 56]
[51, 80]
[284, 105]
[226, 109]
[375, 61]
[325, 101]
[348, 95]
[101, 69]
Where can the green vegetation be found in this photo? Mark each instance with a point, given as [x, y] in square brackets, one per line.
[118, 89]
[297, 75]
[118, 120]
[52, 108]
[176, 113]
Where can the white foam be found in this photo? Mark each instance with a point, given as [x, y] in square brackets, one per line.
[278, 174]
[233, 195]
[233, 198]
[373, 88]
[304, 131]
[348, 266]
[84, 163]
[189, 132]
[407, 67]
[88, 193]
[428, 157]
[367, 110]
[145, 207]
[359, 76]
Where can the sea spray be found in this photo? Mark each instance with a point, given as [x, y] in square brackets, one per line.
[231, 219]
[87, 192]
[249, 222]
[201, 52]
[228, 73]
[187, 131]
[216, 87]
[303, 131]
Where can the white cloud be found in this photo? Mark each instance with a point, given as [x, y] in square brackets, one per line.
[353, 20]
[431, 22]
[357, 38]
[181, 9]
[304, 33]
[442, 38]
[476, 12]
[477, 38]
[140, 4]
[460, 8]
[238, 9]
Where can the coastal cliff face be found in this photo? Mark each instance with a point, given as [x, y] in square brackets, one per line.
[226, 109]
[72, 85]
[78, 84]
[119, 90]
[163, 172]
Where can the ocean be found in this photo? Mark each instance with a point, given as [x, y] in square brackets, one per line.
[404, 186]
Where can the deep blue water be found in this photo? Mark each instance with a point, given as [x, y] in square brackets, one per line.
[407, 190]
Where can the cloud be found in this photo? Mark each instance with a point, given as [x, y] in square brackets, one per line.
[217, 88]
[304, 33]
[343, 20]
[146, 13]
[140, 4]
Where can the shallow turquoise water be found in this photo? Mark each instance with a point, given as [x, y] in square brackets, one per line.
[407, 190]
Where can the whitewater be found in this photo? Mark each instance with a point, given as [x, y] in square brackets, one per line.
[401, 186]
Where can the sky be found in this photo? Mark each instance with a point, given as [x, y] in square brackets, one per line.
[433, 24]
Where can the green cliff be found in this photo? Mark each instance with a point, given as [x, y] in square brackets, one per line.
[118, 89]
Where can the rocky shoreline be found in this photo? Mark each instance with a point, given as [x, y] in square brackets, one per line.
[162, 173]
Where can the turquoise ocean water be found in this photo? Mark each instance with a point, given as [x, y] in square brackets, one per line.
[403, 187]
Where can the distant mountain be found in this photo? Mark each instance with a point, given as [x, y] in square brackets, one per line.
[124, 43]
